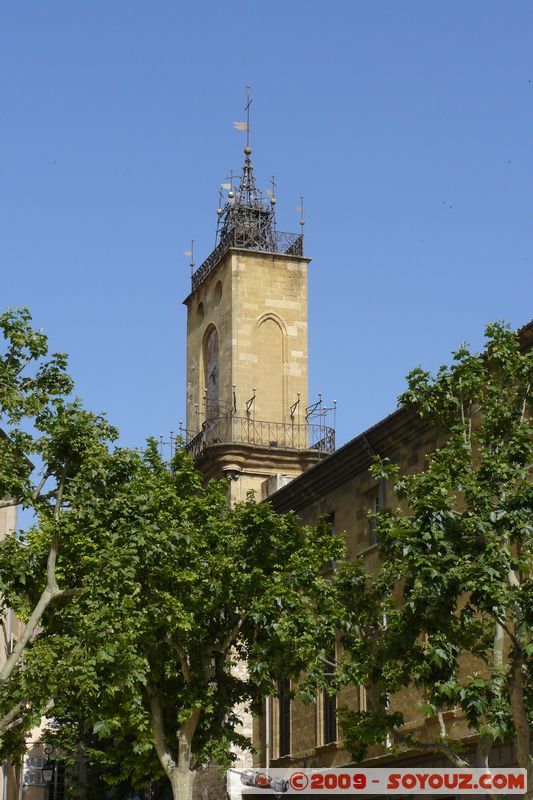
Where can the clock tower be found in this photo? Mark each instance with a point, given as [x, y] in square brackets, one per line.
[247, 381]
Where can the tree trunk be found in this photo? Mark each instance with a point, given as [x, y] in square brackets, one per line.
[182, 782]
[176, 765]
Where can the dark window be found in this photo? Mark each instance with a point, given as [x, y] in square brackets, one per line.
[329, 705]
[284, 702]
[56, 788]
[211, 353]
[376, 501]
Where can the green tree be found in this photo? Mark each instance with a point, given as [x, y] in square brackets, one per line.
[38, 421]
[179, 589]
[456, 572]
[140, 589]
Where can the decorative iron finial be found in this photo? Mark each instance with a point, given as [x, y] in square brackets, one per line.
[250, 403]
[272, 192]
[190, 253]
[300, 210]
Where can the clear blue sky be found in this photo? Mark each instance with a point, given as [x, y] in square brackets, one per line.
[406, 125]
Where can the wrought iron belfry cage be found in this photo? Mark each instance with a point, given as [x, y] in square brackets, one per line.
[247, 220]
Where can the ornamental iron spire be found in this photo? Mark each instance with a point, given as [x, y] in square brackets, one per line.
[247, 219]
[246, 216]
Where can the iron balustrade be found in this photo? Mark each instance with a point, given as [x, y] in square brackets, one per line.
[244, 430]
[289, 244]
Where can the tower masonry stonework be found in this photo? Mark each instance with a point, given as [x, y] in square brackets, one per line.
[255, 305]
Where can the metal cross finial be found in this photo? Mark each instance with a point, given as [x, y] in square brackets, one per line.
[231, 178]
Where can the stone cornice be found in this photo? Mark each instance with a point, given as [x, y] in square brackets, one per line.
[356, 455]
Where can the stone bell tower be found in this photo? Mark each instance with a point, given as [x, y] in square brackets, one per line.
[247, 382]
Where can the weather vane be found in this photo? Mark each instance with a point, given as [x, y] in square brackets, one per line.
[245, 126]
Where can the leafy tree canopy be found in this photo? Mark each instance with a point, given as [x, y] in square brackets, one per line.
[39, 421]
[455, 586]
[143, 591]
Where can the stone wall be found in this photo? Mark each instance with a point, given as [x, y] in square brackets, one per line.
[258, 304]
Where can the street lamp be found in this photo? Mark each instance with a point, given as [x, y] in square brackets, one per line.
[48, 772]
[49, 767]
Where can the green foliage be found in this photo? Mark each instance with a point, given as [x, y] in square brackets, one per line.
[365, 728]
[39, 422]
[178, 589]
[142, 589]
[457, 555]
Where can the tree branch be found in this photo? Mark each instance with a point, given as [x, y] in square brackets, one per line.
[513, 580]
[484, 747]
[50, 593]
[497, 647]
[524, 404]
[334, 664]
[9, 719]
[60, 491]
[228, 640]
[222, 692]
[47, 597]
[185, 736]
[497, 650]
[40, 485]
[68, 592]
[164, 753]
[182, 655]
[442, 725]
[54, 547]
[434, 747]
[23, 367]
[483, 750]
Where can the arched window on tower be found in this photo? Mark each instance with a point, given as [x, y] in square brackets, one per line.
[211, 369]
[270, 403]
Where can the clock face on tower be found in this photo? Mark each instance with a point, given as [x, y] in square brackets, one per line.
[211, 373]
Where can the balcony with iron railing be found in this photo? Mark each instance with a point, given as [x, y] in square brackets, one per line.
[272, 435]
